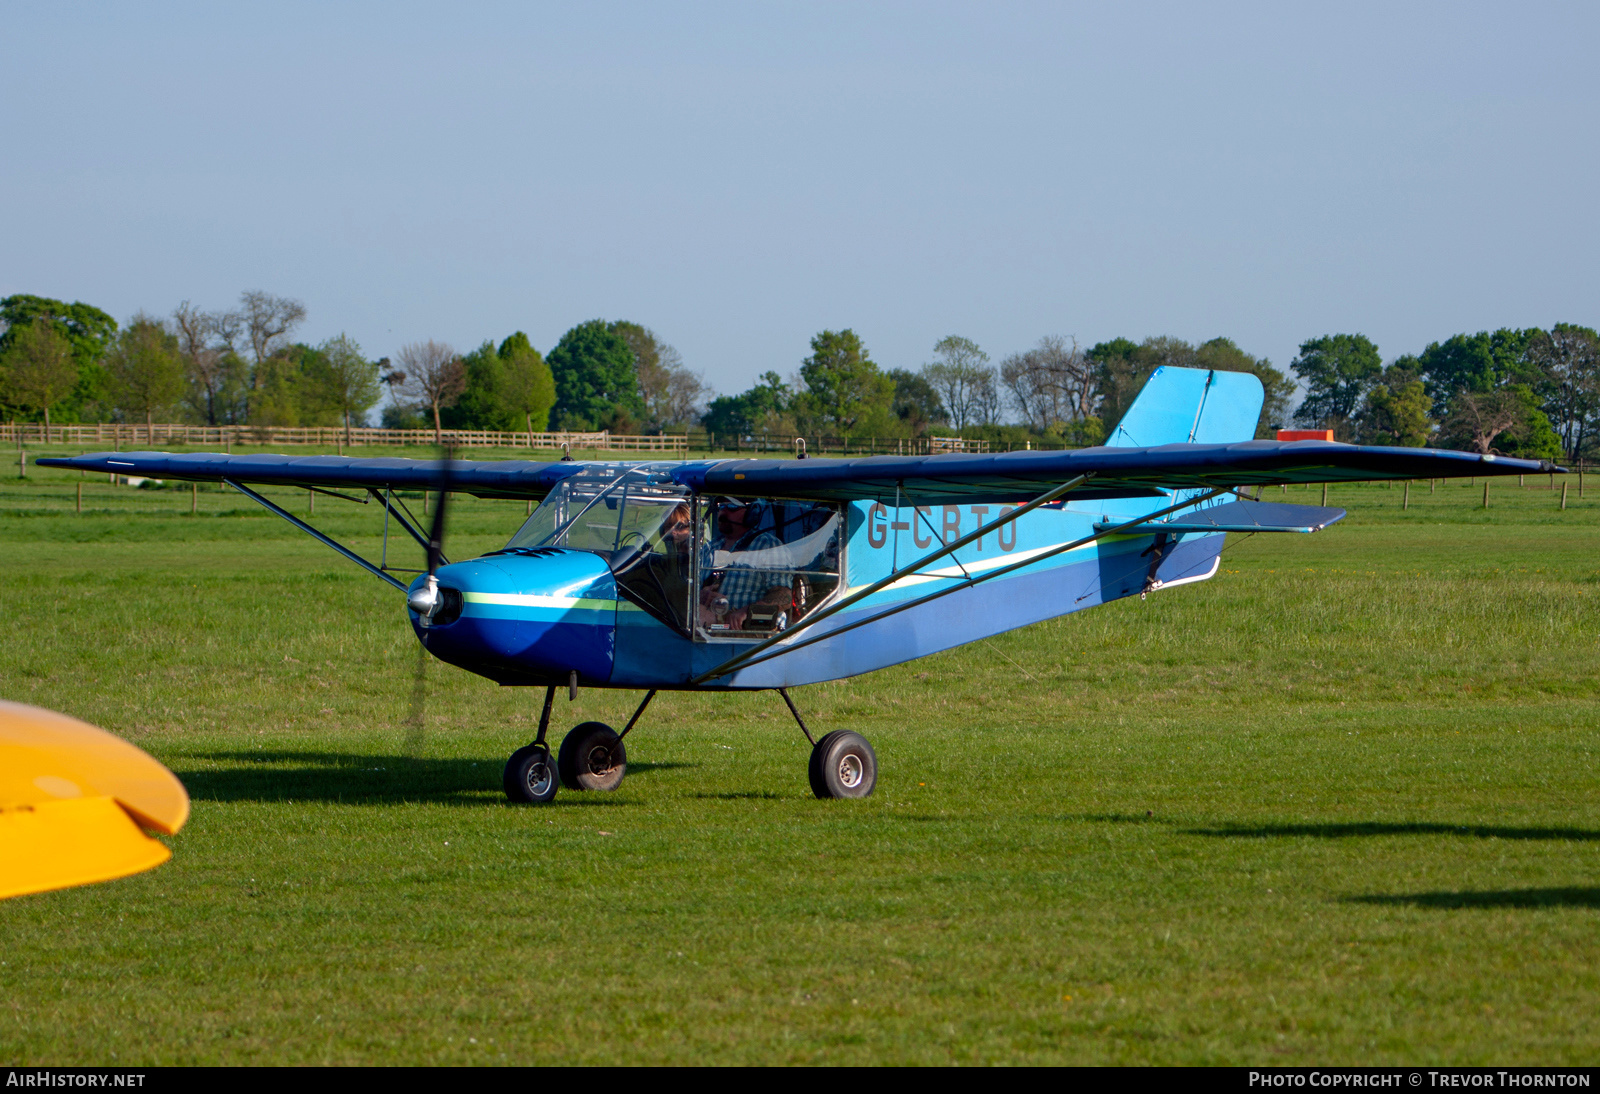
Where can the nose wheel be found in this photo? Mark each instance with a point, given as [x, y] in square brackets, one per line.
[530, 776]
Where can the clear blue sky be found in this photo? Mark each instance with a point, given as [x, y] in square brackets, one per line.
[740, 176]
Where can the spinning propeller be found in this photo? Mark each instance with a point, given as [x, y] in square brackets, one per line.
[426, 602]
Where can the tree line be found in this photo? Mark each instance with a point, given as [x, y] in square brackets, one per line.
[73, 362]
[1533, 392]
[1055, 393]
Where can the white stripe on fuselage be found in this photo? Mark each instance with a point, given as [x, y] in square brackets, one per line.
[533, 600]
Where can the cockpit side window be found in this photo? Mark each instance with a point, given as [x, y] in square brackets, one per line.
[764, 563]
[713, 567]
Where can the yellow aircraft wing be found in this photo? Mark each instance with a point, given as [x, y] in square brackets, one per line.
[73, 802]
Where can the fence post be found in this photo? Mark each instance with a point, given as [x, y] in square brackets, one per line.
[194, 498]
[1405, 502]
[80, 497]
[1486, 493]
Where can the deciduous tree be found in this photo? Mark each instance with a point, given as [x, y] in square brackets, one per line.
[529, 393]
[1568, 359]
[36, 369]
[673, 395]
[594, 377]
[765, 408]
[89, 331]
[146, 375]
[916, 402]
[1052, 385]
[844, 386]
[431, 375]
[1337, 369]
[268, 322]
[1509, 414]
[217, 381]
[1396, 414]
[352, 380]
[1476, 362]
[1120, 374]
[960, 372]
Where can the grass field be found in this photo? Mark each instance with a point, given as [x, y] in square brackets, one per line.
[1337, 805]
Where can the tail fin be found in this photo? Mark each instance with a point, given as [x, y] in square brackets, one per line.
[1191, 406]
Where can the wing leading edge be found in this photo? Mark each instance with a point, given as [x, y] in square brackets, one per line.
[499, 478]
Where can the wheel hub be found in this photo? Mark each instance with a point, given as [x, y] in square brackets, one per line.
[539, 774]
[600, 760]
[850, 770]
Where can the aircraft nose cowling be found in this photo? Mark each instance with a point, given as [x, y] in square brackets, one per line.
[525, 619]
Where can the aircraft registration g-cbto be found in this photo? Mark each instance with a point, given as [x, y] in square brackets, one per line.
[767, 574]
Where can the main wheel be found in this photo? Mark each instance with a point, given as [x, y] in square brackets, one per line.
[530, 777]
[592, 758]
[843, 765]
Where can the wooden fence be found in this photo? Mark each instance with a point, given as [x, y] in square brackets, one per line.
[132, 436]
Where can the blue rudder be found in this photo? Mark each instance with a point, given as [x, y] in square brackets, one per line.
[1191, 406]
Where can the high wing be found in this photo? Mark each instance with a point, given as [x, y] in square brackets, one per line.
[1001, 477]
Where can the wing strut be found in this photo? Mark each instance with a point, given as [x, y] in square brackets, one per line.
[949, 548]
[313, 533]
[747, 661]
[389, 506]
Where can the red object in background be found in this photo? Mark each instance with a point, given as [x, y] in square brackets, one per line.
[1305, 434]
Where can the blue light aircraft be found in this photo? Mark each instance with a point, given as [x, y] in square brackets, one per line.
[766, 574]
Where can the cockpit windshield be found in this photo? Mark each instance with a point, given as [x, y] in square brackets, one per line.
[638, 518]
[604, 509]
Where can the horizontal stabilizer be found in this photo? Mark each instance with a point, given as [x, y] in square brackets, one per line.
[1240, 516]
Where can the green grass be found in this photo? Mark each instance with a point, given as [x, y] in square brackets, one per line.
[1337, 805]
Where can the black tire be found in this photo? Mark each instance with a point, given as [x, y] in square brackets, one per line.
[592, 758]
[843, 765]
[530, 777]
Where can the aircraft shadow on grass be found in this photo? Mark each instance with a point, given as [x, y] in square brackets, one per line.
[1559, 897]
[362, 779]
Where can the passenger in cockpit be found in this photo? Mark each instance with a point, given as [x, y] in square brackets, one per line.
[743, 576]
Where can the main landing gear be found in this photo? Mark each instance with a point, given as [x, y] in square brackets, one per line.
[843, 764]
[592, 757]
